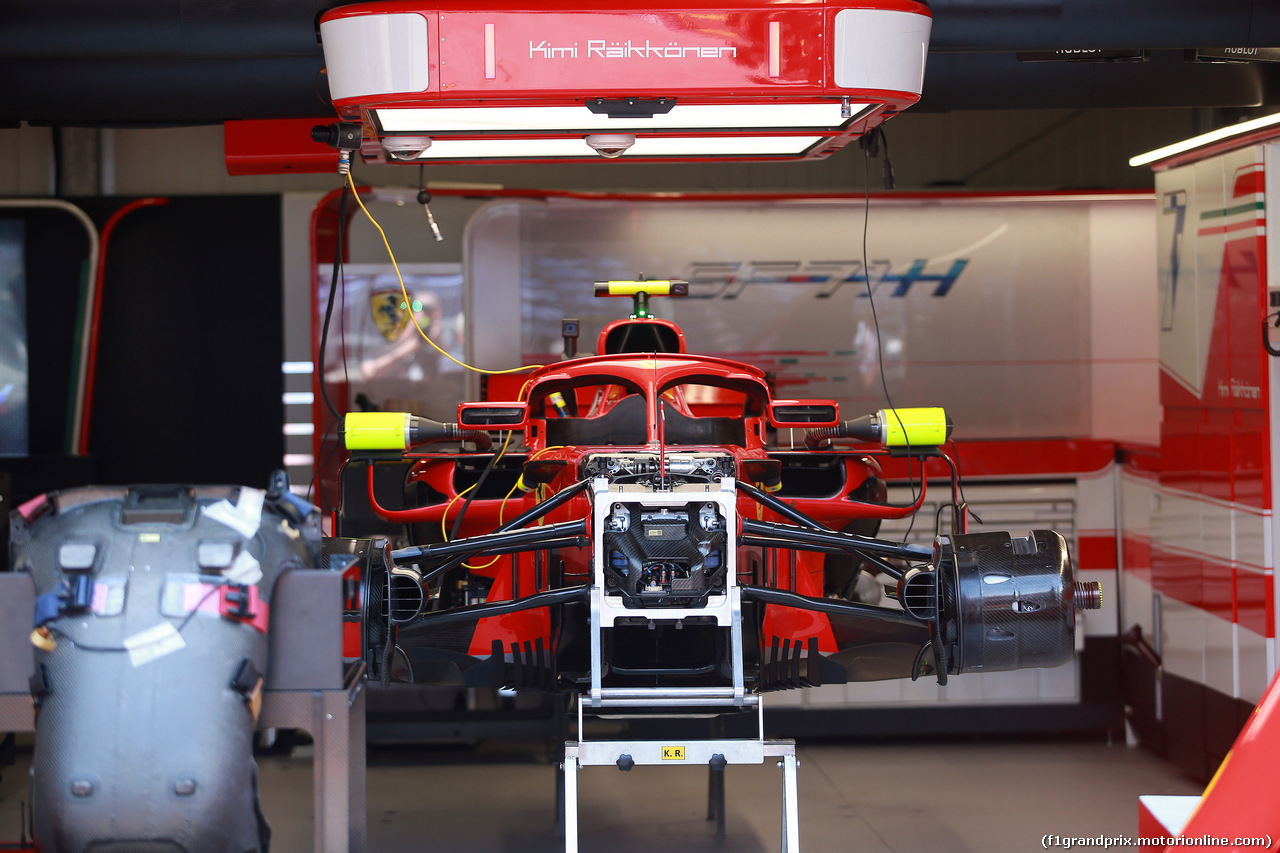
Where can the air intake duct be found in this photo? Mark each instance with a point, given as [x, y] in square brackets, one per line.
[920, 427]
[1007, 602]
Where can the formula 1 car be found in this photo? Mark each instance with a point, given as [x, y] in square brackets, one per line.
[627, 529]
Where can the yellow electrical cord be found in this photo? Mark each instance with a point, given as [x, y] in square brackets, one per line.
[501, 507]
[407, 301]
[444, 518]
[541, 490]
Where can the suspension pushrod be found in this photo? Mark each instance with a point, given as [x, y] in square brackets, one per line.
[489, 542]
[534, 545]
[499, 608]
[555, 501]
[766, 542]
[787, 545]
[782, 508]
[832, 606]
[850, 541]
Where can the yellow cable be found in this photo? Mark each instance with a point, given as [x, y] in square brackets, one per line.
[502, 506]
[540, 493]
[506, 442]
[405, 292]
[444, 518]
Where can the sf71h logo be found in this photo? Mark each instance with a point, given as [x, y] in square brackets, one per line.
[728, 280]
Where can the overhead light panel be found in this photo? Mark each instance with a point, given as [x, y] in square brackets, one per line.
[1222, 134]
[642, 147]
[825, 117]
[756, 80]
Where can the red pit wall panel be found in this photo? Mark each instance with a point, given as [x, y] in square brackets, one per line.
[1254, 602]
[1136, 553]
[1248, 456]
[1095, 551]
[1211, 514]
[1217, 589]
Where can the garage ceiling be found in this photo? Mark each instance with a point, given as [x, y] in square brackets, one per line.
[86, 62]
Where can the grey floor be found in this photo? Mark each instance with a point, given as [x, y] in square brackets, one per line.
[936, 796]
[900, 797]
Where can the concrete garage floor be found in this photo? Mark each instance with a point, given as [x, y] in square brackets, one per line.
[900, 797]
[960, 795]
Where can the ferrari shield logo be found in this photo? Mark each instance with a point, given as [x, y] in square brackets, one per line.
[390, 314]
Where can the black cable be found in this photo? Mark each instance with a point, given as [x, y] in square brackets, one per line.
[61, 634]
[338, 279]
[866, 279]
[955, 450]
[317, 480]
[911, 480]
[342, 338]
[333, 292]
[888, 166]
[475, 490]
[937, 519]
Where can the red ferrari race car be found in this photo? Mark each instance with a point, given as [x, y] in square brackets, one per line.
[632, 529]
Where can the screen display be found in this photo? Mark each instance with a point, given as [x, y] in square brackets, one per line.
[13, 341]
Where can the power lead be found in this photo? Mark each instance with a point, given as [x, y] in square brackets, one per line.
[345, 136]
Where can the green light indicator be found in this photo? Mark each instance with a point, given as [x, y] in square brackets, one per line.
[417, 305]
[403, 306]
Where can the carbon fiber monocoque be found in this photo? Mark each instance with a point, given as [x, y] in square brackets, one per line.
[667, 557]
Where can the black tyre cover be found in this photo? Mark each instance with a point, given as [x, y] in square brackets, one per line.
[147, 746]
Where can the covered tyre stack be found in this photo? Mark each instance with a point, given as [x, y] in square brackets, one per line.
[152, 611]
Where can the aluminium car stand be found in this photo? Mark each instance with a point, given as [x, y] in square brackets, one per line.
[307, 688]
[715, 753]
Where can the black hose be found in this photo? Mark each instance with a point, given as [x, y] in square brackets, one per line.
[814, 437]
